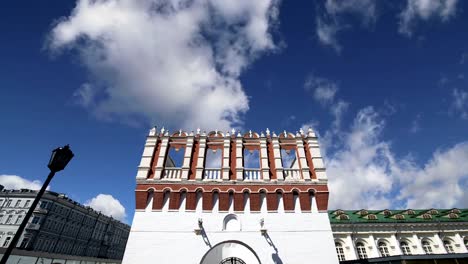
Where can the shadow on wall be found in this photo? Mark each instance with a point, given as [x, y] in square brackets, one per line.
[275, 256]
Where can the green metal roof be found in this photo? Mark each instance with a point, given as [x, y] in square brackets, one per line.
[398, 216]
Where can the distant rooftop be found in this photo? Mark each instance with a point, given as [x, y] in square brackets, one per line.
[398, 216]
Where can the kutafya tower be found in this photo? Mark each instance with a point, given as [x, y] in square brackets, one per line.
[231, 197]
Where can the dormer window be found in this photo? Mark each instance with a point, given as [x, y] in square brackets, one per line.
[399, 217]
[427, 216]
[372, 217]
[344, 217]
[455, 211]
[453, 216]
[433, 212]
[339, 212]
[387, 213]
[363, 212]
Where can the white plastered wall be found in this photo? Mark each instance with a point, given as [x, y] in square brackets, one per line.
[169, 237]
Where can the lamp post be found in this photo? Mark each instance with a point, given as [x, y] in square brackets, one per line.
[58, 161]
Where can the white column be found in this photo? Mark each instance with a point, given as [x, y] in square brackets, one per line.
[226, 156]
[264, 159]
[302, 159]
[373, 249]
[147, 156]
[187, 157]
[277, 156]
[350, 252]
[162, 154]
[317, 160]
[395, 245]
[239, 159]
[439, 245]
[417, 248]
[459, 244]
[201, 158]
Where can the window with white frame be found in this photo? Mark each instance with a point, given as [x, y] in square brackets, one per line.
[448, 246]
[18, 202]
[8, 203]
[383, 249]
[8, 221]
[427, 247]
[26, 204]
[340, 251]
[361, 250]
[19, 219]
[405, 248]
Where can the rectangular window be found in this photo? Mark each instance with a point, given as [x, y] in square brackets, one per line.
[27, 203]
[8, 203]
[19, 219]
[7, 242]
[1, 218]
[18, 203]
[8, 221]
[36, 220]
[44, 204]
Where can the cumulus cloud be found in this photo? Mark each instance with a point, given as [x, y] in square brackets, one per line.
[460, 103]
[18, 182]
[174, 62]
[424, 10]
[330, 20]
[323, 90]
[108, 205]
[364, 172]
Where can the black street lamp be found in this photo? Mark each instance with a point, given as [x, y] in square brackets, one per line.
[58, 161]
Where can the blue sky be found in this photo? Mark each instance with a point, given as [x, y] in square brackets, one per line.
[383, 84]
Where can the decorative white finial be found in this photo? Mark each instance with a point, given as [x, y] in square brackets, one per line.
[216, 132]
[301, 131]
[268, 131]
[238, 133]
[167, 133]
[250, 133]
[152, 131]
[261, 134]
[274, 134]
[285, 134]
[198, 131]
[227, 134]
[180, 132]
[204, 133]
[233, 132]
[191, 133]
[310, 132]
[297, 134]
[162, 130]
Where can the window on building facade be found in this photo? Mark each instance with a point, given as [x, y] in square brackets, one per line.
[361, 250]
[26, 204]
[427, 247]
[8, 203]
[36, 220]
[19, 219]
[340, 251]
[24, 243]
[232, 260]
[427, 216]
[448, 246]
[383, 249]
[8, 221]
[466, 242]
[405, 248]
[7, 241]
[1, 218]
[18, 203]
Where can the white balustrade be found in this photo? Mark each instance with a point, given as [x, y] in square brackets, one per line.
[252, 174]
[172, 173]
[212, 174]
[291, 174]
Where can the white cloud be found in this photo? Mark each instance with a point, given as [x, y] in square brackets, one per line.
[18, 182]
[108, 205]
[424, 10]
[381, 179]
[323, 90]
[174, 62]
[415, 124]
[460, 103]
[329, 22]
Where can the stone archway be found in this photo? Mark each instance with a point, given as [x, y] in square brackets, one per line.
[231, 251]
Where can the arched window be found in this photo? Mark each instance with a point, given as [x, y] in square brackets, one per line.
[448, 246]
[232, 260]
[340, 251]
[405, 248]
[361, 250]
[383, 248]
[427, 247]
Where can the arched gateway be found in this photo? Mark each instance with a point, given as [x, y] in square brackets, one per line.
[231, 198]
[230, 252]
